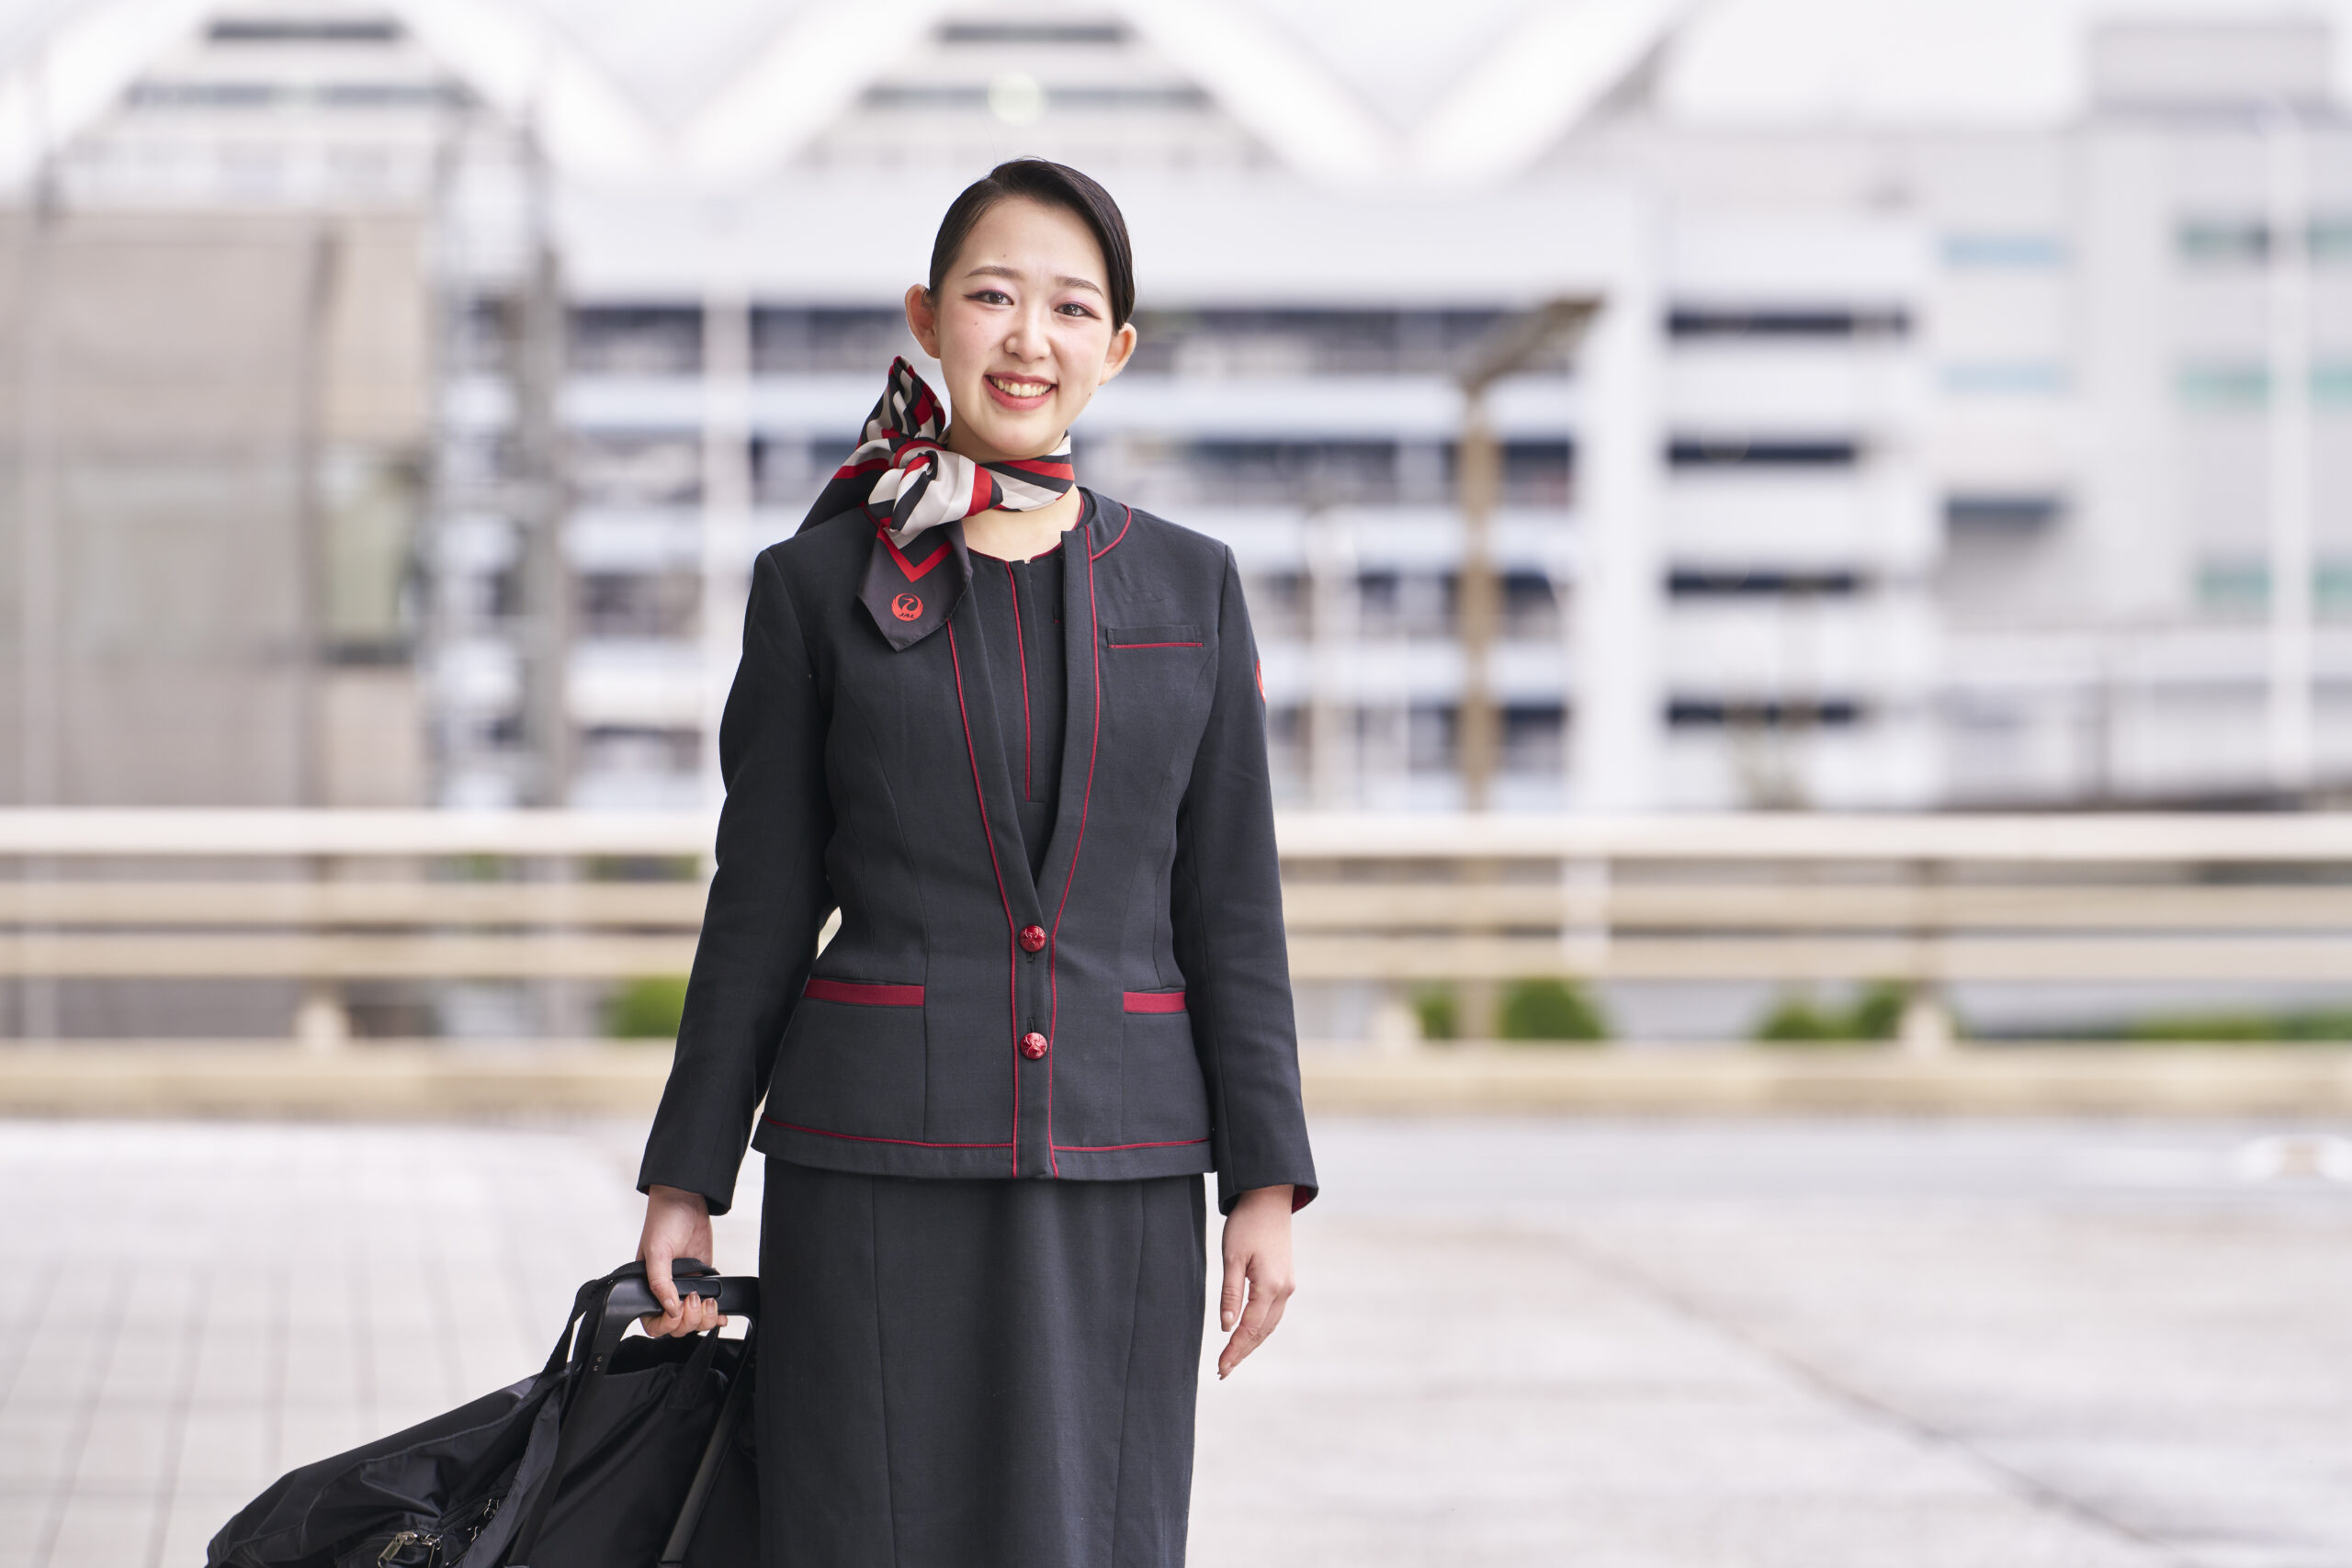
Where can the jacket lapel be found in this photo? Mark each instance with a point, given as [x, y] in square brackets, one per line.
[976, 697]
[1082, 646]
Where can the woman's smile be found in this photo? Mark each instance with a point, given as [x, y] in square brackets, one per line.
[1022, 393]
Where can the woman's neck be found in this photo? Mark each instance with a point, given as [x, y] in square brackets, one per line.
[1022, 536]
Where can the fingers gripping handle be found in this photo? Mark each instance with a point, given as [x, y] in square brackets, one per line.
[631, 1297]
[626, 1297]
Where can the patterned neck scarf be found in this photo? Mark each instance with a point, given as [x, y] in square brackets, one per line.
[909, 485]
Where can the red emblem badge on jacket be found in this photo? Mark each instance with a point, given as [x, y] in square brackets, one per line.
[906, 606]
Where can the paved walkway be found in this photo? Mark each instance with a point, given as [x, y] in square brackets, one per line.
[1578, 1344]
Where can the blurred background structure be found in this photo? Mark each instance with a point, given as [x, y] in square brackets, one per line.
[1618, 405]
[1770, 524]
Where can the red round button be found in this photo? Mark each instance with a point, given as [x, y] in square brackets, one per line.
[1032, 1045]
[1031, 938]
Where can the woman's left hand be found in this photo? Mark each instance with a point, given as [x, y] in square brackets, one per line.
[1257, 1258]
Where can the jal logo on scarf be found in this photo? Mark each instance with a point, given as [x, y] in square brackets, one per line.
[907, 607]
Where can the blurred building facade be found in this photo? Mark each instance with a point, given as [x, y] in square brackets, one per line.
[1897, 470]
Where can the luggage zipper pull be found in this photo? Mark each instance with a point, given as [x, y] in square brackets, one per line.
[400, 1544]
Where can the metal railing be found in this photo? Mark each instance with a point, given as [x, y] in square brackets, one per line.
[327, 897]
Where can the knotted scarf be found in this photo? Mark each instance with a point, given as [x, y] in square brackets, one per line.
[909, 485]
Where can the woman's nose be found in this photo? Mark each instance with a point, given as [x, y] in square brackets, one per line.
[1027, 338]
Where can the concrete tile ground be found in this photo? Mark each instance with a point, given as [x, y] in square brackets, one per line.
[1674, 1344]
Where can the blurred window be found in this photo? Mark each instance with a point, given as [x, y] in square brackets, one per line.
[1785, 322]
[637, 340]
[1431, 738]
[1530, 607]
[2245, 383]
[1219, 342]
[611, 468]
[2003, 511]
[305, 29]
[2331, 239]
[1688, 582]
[1277, 604]
[1406, 604]
[2027, 378]
[2004, 252]
[2222, 241]
[2225, 384]
[2238, 587]
[631, 751]
[788, 473]
[1379, 472]
[1091, 34]
[1730, 451]
[789, 340]
[1286, 749]
[2233, 588]
[1771, 713]
[482, 335]
[639, 605]
[1534, 738]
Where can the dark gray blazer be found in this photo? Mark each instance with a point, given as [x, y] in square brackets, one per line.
[1128, 1015]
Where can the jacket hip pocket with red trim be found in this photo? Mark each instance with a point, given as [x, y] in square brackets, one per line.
[1163, 1097]
[853, 1061]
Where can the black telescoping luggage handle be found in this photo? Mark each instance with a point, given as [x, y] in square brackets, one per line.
[627, 1296]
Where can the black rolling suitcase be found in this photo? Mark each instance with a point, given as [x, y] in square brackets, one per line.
[648, 1443]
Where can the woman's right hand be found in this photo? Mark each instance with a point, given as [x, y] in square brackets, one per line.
[677, 1224]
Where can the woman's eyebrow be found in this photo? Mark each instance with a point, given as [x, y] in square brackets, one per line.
[990, 270]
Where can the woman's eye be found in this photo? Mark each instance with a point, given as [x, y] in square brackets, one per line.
[991, 297]
[1075, 308]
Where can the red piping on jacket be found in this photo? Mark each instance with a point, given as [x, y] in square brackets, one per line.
[1114, 545]
[1020, 646]
[1093, 742]
[1155, 645]
[862, 1138]
[1114, 1148]
[1012, 949]
[1151, 1001]
[861, 993]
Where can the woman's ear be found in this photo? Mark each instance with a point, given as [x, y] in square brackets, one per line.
[1122, 349]
[923, 319]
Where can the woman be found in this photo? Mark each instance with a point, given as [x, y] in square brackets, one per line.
[1014, 732]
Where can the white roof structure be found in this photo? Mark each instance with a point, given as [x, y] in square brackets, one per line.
[717, 93]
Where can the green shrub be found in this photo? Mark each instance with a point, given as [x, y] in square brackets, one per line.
[647, 1009]
[1797, 1021]
[1550, 1010]
[2244, 1028]
[1876, 1013]
[1440, 1012]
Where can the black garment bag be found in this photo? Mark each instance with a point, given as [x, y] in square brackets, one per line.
[619, 1453]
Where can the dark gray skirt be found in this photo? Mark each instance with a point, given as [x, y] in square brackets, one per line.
[978, 1373]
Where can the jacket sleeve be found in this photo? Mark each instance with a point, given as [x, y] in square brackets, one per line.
[768, 900]
[1227, 910]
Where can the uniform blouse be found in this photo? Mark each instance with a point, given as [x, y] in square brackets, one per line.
[1019, 606]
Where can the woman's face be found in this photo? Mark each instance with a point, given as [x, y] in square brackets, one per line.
[1022, 330]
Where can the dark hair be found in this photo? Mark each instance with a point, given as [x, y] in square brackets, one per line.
[1054, 185]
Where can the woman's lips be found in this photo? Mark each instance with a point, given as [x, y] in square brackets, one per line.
[1000, 389]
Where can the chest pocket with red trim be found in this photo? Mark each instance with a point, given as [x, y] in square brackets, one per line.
[1172, 635]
